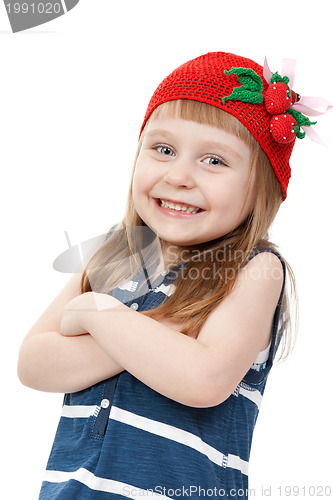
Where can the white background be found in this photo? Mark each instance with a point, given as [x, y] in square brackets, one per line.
[73, 96]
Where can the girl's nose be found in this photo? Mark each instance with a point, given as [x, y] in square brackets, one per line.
[180, 174]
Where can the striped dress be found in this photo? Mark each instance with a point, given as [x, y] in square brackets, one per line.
[121, 439]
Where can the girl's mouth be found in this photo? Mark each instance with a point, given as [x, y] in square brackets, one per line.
[177, 210]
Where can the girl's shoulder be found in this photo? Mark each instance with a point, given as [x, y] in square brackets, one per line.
[262, 249]
[268, 261]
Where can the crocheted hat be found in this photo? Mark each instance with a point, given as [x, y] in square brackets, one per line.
[236, 85]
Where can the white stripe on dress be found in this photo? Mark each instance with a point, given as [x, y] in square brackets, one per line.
[79, 411]
[166, 431]
[130, 286]
[254, 396]
[87, 478]
[166, 289]
[235, 462]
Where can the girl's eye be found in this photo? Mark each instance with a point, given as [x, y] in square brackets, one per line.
[214, 160]
[164, 150]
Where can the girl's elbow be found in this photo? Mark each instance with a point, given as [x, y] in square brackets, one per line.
[23, 375]
[27, 371]
[208, 393]
[21, 369]
[208, 399]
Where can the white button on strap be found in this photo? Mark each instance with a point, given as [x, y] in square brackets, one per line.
[105, 403]
[134, 306]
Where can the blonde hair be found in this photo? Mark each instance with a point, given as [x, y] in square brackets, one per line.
[190, 303]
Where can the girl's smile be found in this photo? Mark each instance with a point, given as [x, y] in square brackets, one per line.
[190, 181]
[175, 208]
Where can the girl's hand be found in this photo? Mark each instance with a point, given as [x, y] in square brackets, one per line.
[73, 314]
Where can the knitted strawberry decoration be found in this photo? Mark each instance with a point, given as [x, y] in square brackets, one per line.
[282, 128]
[286, 123]
[277, 98]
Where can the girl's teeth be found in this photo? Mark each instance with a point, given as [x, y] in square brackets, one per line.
[182, 208]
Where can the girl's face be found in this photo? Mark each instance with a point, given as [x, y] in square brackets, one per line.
[191, 165]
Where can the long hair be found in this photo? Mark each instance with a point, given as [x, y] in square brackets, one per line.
[206, 279]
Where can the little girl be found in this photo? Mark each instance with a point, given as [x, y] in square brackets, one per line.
[164, 343]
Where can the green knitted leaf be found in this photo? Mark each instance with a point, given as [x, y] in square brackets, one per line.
[284, 79]
[277, 78]
[301, 120]
[251, 89]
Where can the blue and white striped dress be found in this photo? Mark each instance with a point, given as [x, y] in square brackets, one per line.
[121, 439]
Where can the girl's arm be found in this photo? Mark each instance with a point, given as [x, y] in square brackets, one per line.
[198, 372]
[50, 362]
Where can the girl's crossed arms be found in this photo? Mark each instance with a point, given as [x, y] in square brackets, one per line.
[82, 339]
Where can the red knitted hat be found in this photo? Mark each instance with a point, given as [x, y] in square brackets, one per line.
[217, 78]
